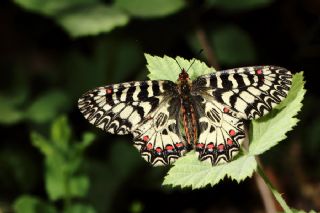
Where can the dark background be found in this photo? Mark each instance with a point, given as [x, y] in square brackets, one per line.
[45, 69]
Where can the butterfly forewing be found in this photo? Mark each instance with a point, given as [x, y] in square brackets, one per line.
[250, 91]
[146, 109]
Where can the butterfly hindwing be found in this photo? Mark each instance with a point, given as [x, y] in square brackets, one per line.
[221, 132]
[158, 137]
[250, 91]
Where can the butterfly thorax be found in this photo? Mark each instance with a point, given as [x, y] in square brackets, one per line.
[187, 110]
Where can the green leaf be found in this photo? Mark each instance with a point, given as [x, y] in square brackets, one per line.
[80, 208]
[79, 186]
[239, 5]
[272, 128]
[167, 68]
[92, 20]
[61, 133]
[232, 45]
[31, 204]
[51, 7]
[150, 8]
[61, 182]
[87, 139]
[9, 113]
[48, 106]
[188, 171]
[63, 161]
[42, 144]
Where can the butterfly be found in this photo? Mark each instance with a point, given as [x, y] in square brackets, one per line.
[168, 119]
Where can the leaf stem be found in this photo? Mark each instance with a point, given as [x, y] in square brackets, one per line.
[275, 193]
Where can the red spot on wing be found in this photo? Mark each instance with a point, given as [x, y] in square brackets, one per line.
[225, 110]
[200, 145]
[158, 150]
[259, 72]
[232, 132]
[221, 147]
[145, 138]
[229, 142]
[179, 145]
[109, 91]
[169, 147]
[149, 146]
[210, 146]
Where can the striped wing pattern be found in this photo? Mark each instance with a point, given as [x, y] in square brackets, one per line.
[229, 98]
[251, 91]
[223, 102]
[143, 109]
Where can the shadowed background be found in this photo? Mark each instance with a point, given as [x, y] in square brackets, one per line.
[53, 160]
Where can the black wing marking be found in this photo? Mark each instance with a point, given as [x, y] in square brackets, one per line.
[118, 108]
[251, 91]
[146, 109]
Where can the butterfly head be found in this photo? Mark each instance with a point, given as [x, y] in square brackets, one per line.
[183, 76]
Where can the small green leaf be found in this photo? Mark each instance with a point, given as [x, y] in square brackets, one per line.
[239, 5]
[9, 113]
[42, 144]
[51, 7]
[79, 186]
[61, 133]
[167, 68]
[189, 171]
[272, 128]
[63, 160]
[48, 106]
[232, 45]
[31, 204]
[150, 8]
[56, 177]
[80, 208]
[92, 20]
[87, 139]
[61, 181]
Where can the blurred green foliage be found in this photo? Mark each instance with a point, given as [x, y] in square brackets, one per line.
[63, 48]
[63, 161]
[235, 5]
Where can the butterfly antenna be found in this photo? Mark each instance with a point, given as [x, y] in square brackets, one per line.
[194, 59]
[178, 63]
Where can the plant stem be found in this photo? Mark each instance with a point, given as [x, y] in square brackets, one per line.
[263, 190]
[265, 194]
[275, 193]
[208, 51]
